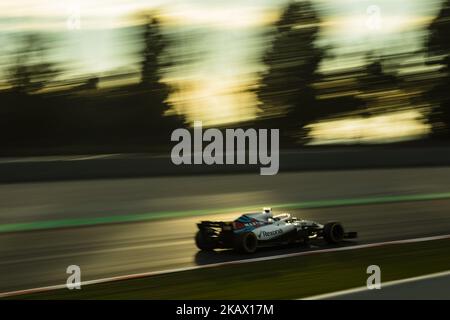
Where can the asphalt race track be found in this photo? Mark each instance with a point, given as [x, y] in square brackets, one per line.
[40, 258]
[433, 288]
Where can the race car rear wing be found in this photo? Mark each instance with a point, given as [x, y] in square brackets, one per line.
[215, 225]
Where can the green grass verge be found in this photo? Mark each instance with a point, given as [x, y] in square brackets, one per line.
[91, 221]
[286, 278]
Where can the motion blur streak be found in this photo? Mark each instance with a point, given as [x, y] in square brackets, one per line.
[82, 77]
[234, 262]
[321, 71]
[90, 221]
[39, 258]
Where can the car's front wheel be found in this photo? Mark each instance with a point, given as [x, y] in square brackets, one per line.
[204, 241]
[333, 232]
[246, 242]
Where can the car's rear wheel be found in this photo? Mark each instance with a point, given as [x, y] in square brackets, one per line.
[246, 242]
[333, 232]
[204, 241]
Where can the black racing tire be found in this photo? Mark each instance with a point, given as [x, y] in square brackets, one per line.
[246, 242]
[333, 232]
[204, 242]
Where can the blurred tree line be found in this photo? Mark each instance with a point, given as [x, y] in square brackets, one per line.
[292, 92]
[82, 117]
[438, 47]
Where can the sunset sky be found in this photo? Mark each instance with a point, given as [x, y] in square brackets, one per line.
[231, 46]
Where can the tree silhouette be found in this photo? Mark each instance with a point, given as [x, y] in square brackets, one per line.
[438, 45]
[376, 79]
[153, 64]
[292, 67]
[30, 71]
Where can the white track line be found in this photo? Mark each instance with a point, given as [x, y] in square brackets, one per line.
[383, 285]
[213, 265]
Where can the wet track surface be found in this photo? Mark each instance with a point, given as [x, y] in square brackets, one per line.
[40, 258]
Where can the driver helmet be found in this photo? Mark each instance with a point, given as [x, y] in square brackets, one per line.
[267, 212]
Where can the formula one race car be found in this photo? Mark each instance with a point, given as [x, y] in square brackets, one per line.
[253, 230]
